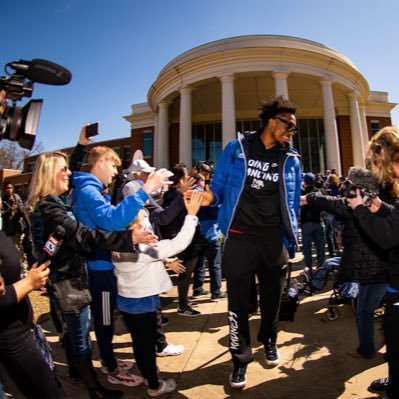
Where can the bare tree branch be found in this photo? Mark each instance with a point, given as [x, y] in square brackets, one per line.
[12, 156]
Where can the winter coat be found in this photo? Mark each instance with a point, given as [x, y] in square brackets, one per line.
[362, 259]
[229, 179]
[78, 240]
[383, 228]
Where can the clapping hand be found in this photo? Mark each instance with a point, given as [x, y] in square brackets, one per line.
[193, 204]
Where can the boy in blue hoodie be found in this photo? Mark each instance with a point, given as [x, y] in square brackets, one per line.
[94, 210]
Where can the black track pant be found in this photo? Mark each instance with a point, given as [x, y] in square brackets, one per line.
[242, 259]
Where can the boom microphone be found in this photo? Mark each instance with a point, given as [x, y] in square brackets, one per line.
[42, 71]
[52, 244]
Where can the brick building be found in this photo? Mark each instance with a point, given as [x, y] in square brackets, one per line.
[203, 97]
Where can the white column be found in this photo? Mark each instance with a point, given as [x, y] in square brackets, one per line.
[228, 110]
[156, 141]
[333, 160]
[281, 84]
[185, 131]
[356, 130]
[162, 144]
[363, 121]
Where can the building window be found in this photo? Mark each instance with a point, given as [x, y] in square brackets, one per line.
[207, 141]
[310, 142]
[147, 144]
[117, 150]
[375, 127]
[127, 153]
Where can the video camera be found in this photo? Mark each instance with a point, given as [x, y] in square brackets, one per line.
[348, 190]
[206, 166]
[20, 123]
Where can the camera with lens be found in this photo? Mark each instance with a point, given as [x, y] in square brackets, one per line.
[348, 190]
[20, 123]
[206, 167]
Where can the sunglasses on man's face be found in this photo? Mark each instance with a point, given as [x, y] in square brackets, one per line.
[290, 126]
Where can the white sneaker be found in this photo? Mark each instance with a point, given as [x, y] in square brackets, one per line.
[164, 387]
[171, 350]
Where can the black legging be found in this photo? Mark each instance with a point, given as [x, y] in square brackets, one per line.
[27, 367]
[142, 328]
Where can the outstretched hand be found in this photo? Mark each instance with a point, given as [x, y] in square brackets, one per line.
[188, 183]
[157, 180]
[193, 204]
[141, 236]
[207, 196]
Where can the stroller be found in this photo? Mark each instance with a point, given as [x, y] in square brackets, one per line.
[343, 292]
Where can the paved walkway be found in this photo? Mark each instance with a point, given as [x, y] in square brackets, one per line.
[314, 363]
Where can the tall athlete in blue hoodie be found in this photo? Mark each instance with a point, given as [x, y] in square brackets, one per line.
[94, 210]
[257, 184]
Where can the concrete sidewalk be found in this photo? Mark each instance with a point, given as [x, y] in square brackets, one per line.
[313, 365]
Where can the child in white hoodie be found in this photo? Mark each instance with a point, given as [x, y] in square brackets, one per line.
[141, 277]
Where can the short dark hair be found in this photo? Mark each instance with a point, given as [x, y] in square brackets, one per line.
[275, 106]
[8, 183]
[179, 171]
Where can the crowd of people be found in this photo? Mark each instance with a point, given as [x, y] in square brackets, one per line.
[125, 232]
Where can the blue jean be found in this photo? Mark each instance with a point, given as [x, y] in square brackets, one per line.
[370, 296]
[78, 331]
[313, 232]
[330, 236]
[211, 252]
[2, 393]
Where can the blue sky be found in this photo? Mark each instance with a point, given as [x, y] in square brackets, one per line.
[115, 49]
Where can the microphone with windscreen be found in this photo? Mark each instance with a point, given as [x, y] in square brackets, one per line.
[42, 71]
[21, 123]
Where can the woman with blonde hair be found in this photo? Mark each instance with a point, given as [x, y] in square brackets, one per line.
[49, 184]
[382, 155]
[380, 222]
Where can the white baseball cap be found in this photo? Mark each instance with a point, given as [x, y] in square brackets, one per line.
[139, 165]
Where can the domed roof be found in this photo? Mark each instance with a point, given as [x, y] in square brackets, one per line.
[255, 41]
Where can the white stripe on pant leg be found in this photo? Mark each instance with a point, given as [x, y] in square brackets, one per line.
[106, 308]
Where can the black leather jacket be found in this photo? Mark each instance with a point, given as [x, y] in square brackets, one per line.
[79, 240]
[362, 259]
